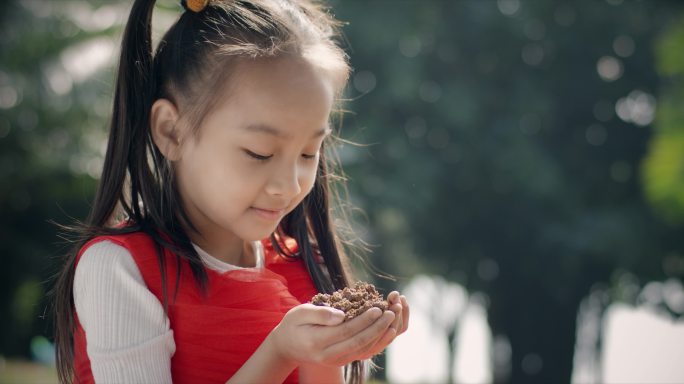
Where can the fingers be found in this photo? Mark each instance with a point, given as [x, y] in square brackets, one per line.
[404, 315]
[398, 319]
[393, 297]
[318, 315]
[395, 306]
[401, 323]
[350, 328]
[380, 344]
[352, 348]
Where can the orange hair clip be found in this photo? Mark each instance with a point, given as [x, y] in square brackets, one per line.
[195, 5]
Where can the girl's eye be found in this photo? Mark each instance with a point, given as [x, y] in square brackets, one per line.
[309, 157]
[257, 156]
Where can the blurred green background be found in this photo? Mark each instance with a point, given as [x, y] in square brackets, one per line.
[529, 150]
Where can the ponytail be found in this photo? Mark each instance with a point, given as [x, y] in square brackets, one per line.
[135, 89]
[132, 101]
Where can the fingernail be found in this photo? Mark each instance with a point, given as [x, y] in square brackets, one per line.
[375, 313]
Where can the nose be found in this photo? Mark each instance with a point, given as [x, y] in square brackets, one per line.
[284, 182]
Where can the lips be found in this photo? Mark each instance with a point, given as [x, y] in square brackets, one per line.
[269, 214]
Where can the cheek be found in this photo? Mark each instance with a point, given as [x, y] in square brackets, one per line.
[306, 183]
[213, 181]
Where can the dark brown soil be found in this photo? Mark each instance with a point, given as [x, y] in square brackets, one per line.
[353, 301]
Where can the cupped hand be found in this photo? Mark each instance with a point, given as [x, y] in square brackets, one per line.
[319, 335]
[399, 306]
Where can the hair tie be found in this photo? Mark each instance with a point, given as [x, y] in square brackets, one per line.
[195, 5]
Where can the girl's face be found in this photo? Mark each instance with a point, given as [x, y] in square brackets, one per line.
[255, 156]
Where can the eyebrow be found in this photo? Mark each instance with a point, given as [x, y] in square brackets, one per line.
[269, 130]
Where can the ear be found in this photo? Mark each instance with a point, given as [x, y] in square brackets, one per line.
[166, 132]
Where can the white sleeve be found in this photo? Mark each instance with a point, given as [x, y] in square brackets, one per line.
[128, 337]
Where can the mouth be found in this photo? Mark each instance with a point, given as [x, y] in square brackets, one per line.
[269, 214]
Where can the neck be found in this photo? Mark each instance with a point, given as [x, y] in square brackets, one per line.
[221, 244]
[235, 251]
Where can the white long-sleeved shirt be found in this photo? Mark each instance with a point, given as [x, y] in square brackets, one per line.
[128, 337]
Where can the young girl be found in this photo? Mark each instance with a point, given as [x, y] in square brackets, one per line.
[211, 223]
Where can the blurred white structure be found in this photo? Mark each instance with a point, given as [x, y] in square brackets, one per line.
[473, 359]
[586, 363]
[616, 343]
[620, 343]
[422, 354]
[641, 346]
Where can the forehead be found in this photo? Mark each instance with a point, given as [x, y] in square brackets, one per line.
[280, 91]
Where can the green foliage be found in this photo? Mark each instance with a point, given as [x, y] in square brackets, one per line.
[664, 174]
[664, 164]
[668, 51]
[25, 304]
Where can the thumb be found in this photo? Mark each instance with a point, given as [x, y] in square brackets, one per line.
[321, 315]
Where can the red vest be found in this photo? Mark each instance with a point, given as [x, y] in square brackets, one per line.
[214, 334]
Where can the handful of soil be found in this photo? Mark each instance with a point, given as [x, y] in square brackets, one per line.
[352, 301]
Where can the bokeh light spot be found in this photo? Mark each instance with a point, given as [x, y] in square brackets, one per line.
[508, 7]
[532, 54]
[609, 68]
[623, 46]
[532, 364]
[410, 46]
[364, 81]
[596, 134]
[9, 97]
[638, 108]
